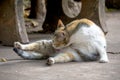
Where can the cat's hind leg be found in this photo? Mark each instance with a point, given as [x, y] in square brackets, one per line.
[28, 54]
[103, 55]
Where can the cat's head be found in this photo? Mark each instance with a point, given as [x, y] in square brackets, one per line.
[61, 36]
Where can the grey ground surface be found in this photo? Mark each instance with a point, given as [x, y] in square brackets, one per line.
[18, 69]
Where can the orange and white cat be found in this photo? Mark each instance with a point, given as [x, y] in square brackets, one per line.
[80, 40]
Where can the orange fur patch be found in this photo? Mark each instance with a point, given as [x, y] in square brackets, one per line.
[70, 55]
[74, 23]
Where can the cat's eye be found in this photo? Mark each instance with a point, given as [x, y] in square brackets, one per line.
[63, 34]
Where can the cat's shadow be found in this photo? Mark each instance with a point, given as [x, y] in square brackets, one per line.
[34, 63]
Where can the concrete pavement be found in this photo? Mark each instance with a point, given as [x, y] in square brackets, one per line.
[18, 69]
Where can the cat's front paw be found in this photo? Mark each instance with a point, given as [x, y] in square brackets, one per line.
[18, 45]
[50, 61]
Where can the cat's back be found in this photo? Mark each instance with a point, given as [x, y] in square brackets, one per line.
[83, 25]
[85, 30]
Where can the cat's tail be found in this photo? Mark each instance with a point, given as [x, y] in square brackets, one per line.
[28, 54]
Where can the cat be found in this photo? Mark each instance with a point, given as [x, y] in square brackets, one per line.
[80, 40]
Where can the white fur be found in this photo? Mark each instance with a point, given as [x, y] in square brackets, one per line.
[90, 40]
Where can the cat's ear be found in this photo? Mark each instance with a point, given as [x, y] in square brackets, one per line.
[60, 24]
